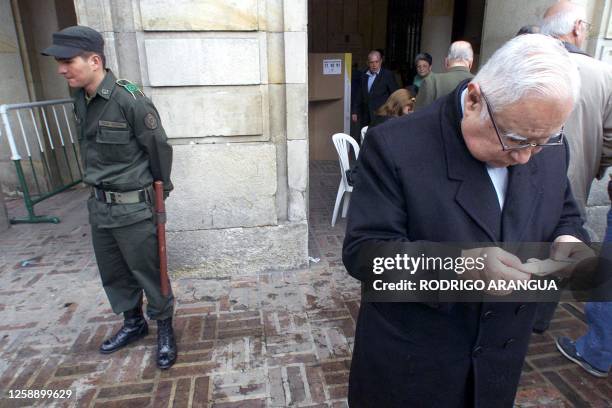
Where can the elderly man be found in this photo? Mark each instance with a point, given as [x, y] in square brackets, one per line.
[589, 127]
[458, 63]
[486, 163]
[376, 86]
[589, 130]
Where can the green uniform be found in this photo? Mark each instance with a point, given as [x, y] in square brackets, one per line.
[439, 85]
[124, 149]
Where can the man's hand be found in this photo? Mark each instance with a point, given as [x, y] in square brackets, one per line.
[498, 265]
[569, 248]
[354, 117]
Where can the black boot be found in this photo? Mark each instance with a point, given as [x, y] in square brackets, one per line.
[166, 345]
[134, 327]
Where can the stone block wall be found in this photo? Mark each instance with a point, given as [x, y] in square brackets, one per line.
[229, 80]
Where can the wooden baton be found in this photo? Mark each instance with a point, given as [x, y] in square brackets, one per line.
[160, 213]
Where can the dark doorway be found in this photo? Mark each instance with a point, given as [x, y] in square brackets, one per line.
[468, 17]
[404, 23]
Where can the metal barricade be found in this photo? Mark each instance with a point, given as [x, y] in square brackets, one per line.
[36, 129]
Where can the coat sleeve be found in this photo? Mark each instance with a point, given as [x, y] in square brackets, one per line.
[152, 138]
[606, 159]
[570, 222]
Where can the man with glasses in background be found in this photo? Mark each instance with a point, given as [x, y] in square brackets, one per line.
[468, 168]
[589, 127]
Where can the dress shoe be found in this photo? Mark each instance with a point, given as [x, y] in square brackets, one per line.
[166, 344]
[134, 327]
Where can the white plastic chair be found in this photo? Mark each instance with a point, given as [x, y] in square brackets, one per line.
[343, 142]
[364, 130]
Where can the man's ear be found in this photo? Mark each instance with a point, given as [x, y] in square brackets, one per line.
[96, 61]
[577, 27]
[474, 97]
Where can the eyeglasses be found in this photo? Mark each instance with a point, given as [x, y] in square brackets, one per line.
[521, 141]
[588, 25]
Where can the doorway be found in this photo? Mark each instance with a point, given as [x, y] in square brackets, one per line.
[400, 29]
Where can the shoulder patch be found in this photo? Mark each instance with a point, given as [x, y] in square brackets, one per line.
[150, 121]
[131, 87]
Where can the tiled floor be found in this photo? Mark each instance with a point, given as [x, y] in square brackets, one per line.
[274, 339]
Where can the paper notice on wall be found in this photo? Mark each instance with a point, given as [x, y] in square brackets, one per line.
[332, 66]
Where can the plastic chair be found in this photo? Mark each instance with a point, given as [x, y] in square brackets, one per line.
[364, 130]
[343, 142]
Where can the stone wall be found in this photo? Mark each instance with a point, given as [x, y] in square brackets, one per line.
[436, 30]
[504, 18]
[13, 89]
[229, 81]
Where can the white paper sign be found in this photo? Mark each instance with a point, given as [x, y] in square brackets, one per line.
[332, 67]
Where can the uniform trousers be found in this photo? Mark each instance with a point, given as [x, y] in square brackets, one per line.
[128, 261]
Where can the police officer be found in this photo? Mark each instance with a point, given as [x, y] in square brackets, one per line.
[123, 149]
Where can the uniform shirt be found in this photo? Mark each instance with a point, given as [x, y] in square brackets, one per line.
[123, 148]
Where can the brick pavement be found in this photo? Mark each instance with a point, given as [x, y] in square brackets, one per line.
[274, 339]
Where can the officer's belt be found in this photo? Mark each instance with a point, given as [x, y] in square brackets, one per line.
[123, 197]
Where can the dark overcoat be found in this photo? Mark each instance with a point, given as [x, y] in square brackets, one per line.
[366, 102]
[416, 180]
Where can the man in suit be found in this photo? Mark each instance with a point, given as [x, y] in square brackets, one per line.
[376, 86]
[458, 63]
[589, 127]
[486, 163]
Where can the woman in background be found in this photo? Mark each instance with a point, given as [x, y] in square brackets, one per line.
[423, 64]
[399, 103]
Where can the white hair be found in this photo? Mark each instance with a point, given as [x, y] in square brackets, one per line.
[460, 51]
[532, 65]
[561, 23]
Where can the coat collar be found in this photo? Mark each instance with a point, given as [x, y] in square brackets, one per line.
[573, 49]
[458, 68]
[105, 89]
[476, 193]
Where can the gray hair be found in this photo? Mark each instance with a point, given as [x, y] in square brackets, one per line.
[561, 23]
[375, 52]
[535, 65]
[460, 51]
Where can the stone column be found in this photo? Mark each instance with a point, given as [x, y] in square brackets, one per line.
[437, 30]
[229, 81]
[13, 89]
[503, 19]
[296, 78]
